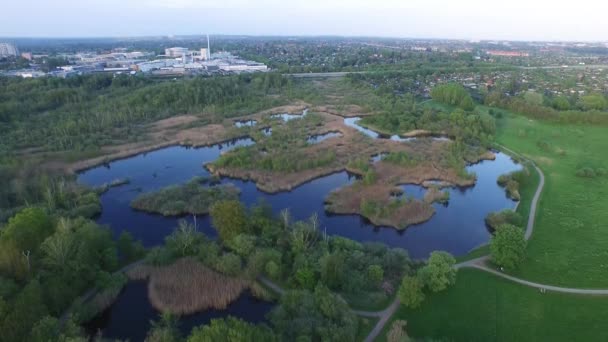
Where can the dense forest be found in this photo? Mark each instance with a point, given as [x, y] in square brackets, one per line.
[90, 111]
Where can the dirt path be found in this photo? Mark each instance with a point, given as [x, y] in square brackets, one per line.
[384, 315]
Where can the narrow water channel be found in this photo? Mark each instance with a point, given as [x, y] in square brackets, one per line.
[129, 318]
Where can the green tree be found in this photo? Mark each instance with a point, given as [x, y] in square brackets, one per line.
[231, 330]
[533, 98]
[332, 268]
[164, 330]
[410, 292]
[508, 246]
[593, 102]
[229, 218]
[439, 272]
[305, 277]
[28, 309]
[28, 228]
[375, 274]
[561, 103]
[184, 240]
[129, 249]
[229, 264]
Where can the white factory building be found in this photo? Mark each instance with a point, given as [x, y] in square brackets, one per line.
[176, 52]
[8, 50]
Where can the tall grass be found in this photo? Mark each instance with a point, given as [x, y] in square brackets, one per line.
[187, 286]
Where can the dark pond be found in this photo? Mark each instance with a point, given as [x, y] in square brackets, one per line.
[245, 123]
[352, 122]
[288, 117]
[129, 317]
[267, 131]
[315, 139]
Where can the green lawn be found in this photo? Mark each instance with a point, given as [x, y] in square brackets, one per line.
[569, 246]
[483, 307]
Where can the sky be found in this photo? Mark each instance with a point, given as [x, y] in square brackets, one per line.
[562, 20]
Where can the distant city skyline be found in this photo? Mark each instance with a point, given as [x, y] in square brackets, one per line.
[524, 20]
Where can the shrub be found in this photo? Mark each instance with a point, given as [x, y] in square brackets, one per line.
[229, 264]
[495, 220]
[508, 246]
[410, 292]
[438, 273]
[375, 274]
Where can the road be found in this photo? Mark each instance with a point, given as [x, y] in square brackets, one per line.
[335, 74]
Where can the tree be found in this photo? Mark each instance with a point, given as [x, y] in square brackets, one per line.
[229, 264]
[508, 246]
[231, 330]
[28, 309]
[561, 103]
[410, 292]
[164, 330]
[229, 218]
[375, 274]
[593, 102]
[332, 270]
[439, 272]
[129, 249]
[28, 229]
[533, 98]
[184, 240]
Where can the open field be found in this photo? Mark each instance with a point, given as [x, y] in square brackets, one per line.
[568, 246]
[482, 307]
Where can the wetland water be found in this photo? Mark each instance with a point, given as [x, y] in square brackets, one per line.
[456, 228]
[129, 317]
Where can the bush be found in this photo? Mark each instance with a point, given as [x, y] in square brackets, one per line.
[508, 246]
[229, 264]
[495, 220]
[410, 292]
[590, 172]
[439, 272]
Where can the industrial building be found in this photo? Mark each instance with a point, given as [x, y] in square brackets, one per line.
[176, 52]
[8, 50]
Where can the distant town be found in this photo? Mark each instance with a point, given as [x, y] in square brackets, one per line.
[176, 61]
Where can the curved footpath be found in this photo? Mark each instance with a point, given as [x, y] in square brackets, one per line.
[480, 263]
[384, 315]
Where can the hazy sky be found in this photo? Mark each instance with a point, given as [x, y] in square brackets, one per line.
[467, 19]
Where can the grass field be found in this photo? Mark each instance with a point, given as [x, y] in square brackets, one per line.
[482, 307]
[569, 246]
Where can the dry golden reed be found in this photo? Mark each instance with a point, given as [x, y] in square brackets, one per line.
[187, 286]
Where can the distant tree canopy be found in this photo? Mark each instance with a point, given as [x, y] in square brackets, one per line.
[593, 102]
[86, 112]
[453, 94]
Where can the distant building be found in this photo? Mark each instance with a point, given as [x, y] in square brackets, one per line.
[204, 54]
[8, 50]
[176, 51]
[27, 55]
[504, 53]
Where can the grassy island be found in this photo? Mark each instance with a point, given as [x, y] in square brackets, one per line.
[190, 198]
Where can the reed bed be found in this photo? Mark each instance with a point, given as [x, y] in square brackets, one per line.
[187, 286]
